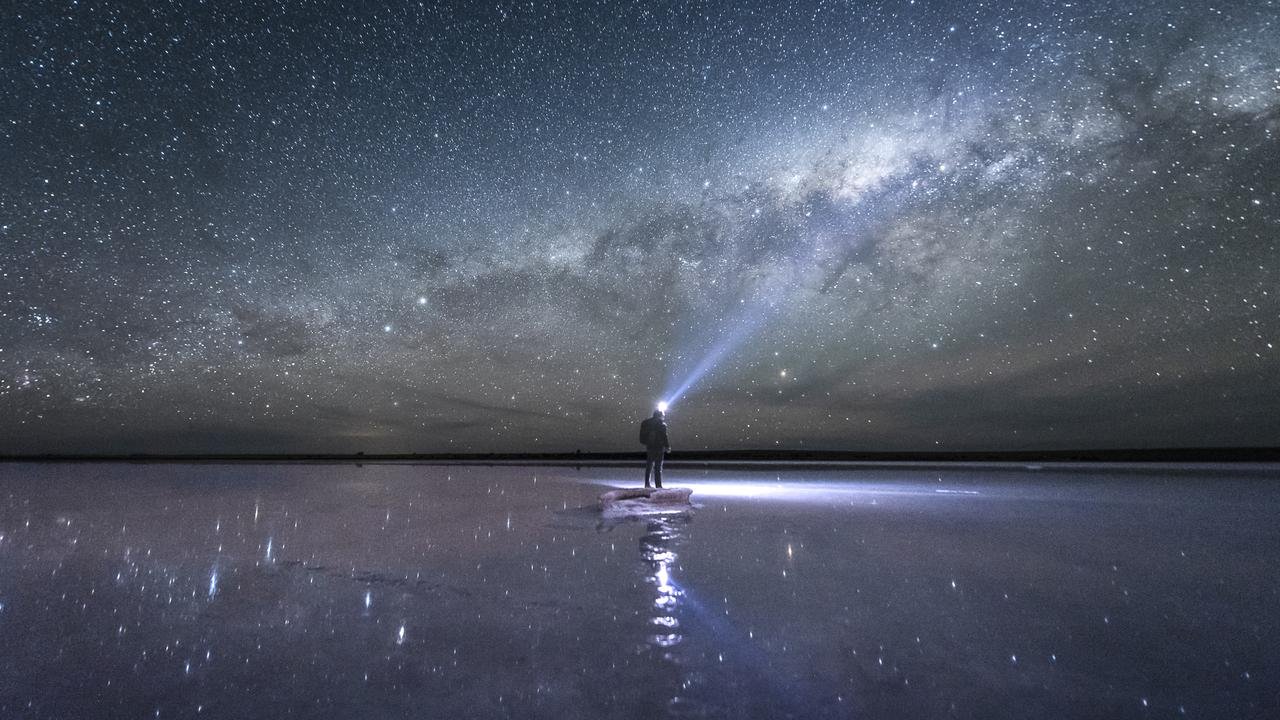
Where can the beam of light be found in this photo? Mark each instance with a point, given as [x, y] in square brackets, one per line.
[731, 339]
[851, 227]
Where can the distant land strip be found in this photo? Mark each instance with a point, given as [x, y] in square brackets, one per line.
[747, 459]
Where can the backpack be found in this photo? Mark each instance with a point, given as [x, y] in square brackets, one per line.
[644, 432]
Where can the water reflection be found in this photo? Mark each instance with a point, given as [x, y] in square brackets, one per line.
[657, 549]
[665, 648]
[297, 591]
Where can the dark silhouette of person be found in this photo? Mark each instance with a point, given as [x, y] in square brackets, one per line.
[653, 433]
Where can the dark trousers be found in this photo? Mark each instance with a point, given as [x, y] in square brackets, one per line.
[653, 465]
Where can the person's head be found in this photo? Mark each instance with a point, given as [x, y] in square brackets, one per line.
[657, 414]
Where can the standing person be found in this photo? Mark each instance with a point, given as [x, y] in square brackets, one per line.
[653, 434]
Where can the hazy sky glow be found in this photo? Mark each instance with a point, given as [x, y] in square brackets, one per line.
[931, 225]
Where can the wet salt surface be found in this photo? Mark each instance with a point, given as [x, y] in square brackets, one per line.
[131, 591]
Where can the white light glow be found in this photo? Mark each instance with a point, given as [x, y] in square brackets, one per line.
[814, 492]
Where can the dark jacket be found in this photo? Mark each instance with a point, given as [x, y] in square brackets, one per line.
[654, 432]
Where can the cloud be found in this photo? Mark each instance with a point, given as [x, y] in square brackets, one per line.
[277, 333]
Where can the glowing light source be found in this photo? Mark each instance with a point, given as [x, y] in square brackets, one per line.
[662, 406]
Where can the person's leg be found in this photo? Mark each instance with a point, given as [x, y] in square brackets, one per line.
[648, 468]
[657, 471]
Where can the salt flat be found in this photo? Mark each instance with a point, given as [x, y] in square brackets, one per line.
[266, 591]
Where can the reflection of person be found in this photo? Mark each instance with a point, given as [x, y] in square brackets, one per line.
[656, 548]
[653, 433]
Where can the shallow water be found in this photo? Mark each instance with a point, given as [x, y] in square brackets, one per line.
[397, 590]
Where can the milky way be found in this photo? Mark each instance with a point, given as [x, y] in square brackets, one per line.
[321, 227]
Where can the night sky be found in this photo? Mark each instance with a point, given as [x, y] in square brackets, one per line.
[311, 226]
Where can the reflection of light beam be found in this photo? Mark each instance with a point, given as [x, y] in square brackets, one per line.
[751, 664]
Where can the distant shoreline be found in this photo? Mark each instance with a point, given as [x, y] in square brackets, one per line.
[746, 459]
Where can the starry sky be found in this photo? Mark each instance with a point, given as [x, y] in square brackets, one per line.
[340, 227]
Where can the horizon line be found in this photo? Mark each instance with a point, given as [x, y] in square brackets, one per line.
[1154, 454]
